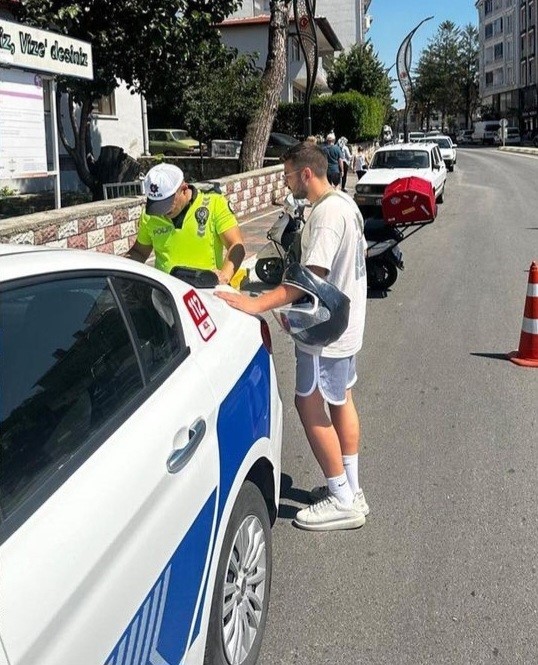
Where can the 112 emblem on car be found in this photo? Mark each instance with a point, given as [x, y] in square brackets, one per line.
[199, 314]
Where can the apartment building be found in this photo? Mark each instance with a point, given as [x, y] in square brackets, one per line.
[339, 25]
[508, 45]
[528, 81]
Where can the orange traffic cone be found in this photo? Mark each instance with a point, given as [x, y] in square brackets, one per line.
[527, 354]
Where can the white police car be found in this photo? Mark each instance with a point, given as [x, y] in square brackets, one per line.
[140, 466]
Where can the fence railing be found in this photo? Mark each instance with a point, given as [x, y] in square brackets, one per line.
[117, 190]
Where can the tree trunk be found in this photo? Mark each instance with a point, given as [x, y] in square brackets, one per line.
[259, 127]
[81, 149]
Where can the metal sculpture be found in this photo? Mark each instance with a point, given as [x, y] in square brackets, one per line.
[304, 13]
[403, 67]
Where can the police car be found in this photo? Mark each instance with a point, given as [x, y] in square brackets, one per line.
[140, 466]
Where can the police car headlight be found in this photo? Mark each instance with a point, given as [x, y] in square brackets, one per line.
[363, 189]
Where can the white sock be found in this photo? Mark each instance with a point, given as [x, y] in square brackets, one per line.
[339, 487]
[351, 467]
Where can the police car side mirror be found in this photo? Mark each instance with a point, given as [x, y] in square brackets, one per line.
[201, 279]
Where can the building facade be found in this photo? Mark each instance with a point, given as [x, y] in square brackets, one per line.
[507, 69]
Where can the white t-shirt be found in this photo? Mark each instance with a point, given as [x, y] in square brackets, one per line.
[333, 238]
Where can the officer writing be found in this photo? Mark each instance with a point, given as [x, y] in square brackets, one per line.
[187, 227]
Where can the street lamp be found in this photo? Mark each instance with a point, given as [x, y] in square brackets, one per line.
[304, 13]
[403, 67]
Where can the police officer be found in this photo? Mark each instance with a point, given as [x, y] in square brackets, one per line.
[186, 226]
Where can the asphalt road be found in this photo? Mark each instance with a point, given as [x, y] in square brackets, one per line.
[445, 569]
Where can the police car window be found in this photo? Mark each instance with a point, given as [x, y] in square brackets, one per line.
[153, 315]
[69, 366]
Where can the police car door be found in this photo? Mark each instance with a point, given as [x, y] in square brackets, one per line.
[107, 530]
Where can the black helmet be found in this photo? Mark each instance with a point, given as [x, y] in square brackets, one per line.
[321, 316]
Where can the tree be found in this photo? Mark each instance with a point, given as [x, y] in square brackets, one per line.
[219, 103]
[360, 69]
[468, 72]
[144, 43]
[272, 82]
[438, 68]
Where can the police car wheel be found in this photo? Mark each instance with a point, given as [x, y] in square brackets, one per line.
[241, 596]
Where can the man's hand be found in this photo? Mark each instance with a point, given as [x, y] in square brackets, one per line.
[223, 276]
[239, 301]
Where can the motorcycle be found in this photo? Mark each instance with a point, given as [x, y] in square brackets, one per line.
[384, 258]
[284, 246]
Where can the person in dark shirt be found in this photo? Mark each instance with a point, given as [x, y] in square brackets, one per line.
[335, 160]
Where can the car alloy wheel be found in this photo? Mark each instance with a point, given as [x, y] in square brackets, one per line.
[244, 590]
[240, 599]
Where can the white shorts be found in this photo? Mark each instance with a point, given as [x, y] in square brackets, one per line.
[332, 376]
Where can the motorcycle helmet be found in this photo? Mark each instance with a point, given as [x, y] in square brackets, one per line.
[320, 316]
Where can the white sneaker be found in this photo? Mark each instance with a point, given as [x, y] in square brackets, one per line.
[359, 501]
[328, 514]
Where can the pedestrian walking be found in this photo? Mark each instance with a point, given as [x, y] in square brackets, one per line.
[346, 159]
[335, 160]
[332, 252]
[360, 164]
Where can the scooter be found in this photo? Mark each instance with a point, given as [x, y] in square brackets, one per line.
[284, 246]
[384, 258]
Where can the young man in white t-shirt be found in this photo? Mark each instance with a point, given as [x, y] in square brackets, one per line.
[333, 247]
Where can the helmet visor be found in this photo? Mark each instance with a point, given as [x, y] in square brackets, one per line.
[297, 317]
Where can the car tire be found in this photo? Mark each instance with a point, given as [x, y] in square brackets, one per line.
[245, 565]
[451, 168]
[441, 197]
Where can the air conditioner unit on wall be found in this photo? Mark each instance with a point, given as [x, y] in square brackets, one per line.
[368, 20]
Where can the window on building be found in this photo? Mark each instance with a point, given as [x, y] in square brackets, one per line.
[532, 71]
[509, 50]
[523, 74]
[489, 79]
[523, 41]
[105, 105]
[522, 21]
[509, 75]
[488, 7]
[508, 25]
[532, 42]
[295, 50]
[498, 76]
[488, 30]
[498, 51]
[298, 95]
[261, 7]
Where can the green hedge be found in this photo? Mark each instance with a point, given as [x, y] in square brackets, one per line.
[349, 114]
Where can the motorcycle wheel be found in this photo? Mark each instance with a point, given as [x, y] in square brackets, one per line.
[381, 274]
[270, 270]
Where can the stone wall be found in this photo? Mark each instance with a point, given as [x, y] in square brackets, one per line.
[111, 226]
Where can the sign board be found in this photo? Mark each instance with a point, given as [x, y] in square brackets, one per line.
[503, 122]
[43, 51]
[23, 149]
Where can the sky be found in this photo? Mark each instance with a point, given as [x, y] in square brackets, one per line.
[394, 19]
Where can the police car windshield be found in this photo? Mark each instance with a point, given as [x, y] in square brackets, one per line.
[401, 159]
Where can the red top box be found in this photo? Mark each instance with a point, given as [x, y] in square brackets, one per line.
[409, 201]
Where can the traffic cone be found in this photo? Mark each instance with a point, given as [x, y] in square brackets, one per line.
[527, 354]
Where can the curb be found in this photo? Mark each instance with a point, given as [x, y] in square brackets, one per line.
[522, 150]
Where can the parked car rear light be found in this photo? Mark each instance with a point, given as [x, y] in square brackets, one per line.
[266, 335]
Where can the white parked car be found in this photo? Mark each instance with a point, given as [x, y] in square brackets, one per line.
[399, 161]
[447, 148]
[140, 465]
[512, 136]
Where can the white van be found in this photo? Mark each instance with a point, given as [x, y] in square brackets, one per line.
[484, 132]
